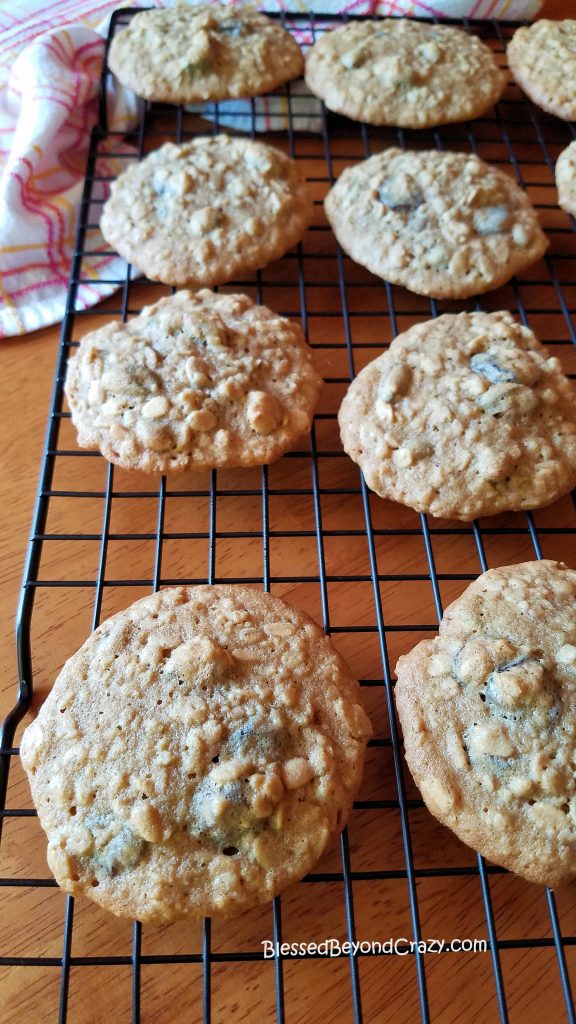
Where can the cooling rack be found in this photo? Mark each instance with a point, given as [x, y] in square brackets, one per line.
[375, 574]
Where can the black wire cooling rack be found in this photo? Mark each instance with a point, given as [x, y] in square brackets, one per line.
[409, 566]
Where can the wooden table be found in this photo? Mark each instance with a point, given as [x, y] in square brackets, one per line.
[460, 987]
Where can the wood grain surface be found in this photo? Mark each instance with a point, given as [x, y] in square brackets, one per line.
[460, 985]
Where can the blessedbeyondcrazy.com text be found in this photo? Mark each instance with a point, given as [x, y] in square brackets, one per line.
[399, 946]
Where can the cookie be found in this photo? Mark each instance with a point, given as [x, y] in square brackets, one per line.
[441, 224]
[207, 211]
[404, 73]
[542, 59]
[197, 381]
[463, 416]
[566, 178]
[209, 52]
[197, 755]
[488, 712]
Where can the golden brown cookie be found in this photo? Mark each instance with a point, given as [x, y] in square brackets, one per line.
[207, 52]
[566, 179]
[401, 72]
[440, 223]
[197, 755]
[488, 712]
[197, 381]
[207, 211]
[542, 59]
[463, 416]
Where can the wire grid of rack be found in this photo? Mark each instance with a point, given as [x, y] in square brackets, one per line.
[391, 570]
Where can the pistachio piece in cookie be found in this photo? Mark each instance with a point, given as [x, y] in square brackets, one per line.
[193, 382]
[463, 416]
[197, 755]
[488, 712]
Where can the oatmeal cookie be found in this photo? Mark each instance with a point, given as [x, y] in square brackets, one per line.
[488, 713]
[542, 59]
[210, 52]
[207, 211]
[441, 224]
[566, 179]
[402, 72]
[463, 416]
[197, 755]
[197, 381]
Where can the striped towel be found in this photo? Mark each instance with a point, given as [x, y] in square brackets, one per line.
[50, 62]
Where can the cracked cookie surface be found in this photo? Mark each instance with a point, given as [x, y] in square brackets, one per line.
[404, 73]
[542, 59]
[463, 416]
[488, 712]
[206, 211]
[196, 755]
[441, 224]
[209, 52]
[196, 381]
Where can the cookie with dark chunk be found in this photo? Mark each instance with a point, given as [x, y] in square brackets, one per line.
[197, 755]
[197, 381]
[463, 416]
[488, 712]
[406, 73]
[542, 59]
[441, 224]
[207, 211]
[209, 52]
